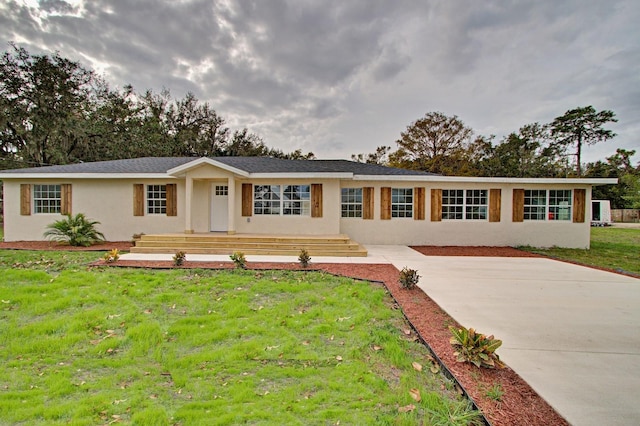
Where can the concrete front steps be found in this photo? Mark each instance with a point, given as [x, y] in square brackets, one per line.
[250, 244]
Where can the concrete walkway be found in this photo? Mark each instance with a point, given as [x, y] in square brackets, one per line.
[573, 333]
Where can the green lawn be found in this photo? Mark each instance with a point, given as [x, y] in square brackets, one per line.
[614, 248]
[88, 346]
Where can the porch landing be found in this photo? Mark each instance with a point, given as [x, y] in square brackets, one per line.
[339, 245]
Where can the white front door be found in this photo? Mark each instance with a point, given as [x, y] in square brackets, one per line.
[219, 207]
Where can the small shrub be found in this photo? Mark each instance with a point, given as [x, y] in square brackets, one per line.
[179, 258]
[409, 278]
[476, 348]
[239, 260]
[111, 256]
[76, 230]
[136, 237]
[495, 392]
[304, 258]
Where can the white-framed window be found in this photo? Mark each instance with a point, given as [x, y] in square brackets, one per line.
[287, 200]
[554, 204]
[401, 202]
[47, 199]
[156, 199]
[351, 202]
[222, 190]
[464, 204]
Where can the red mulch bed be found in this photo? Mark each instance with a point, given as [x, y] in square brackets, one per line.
[519, 405]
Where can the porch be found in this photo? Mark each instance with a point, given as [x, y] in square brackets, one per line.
[339, 245]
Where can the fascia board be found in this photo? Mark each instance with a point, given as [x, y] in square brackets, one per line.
[470, 179]
[200, 161]
[317, 175]
[85, 176]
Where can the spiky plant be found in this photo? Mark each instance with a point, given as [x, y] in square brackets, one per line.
[76, 230]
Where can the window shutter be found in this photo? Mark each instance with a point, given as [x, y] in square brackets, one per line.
[65, 198]
[579, 204]
[419, 203]
[518, 205]
[436, 205]
[495, 200]
[247, 199]
[316, 200]
[138, 199]
[385, 203]
[367, 203]
[25, 199]
[172, 199]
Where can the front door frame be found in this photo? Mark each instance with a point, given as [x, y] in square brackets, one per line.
[219, 207]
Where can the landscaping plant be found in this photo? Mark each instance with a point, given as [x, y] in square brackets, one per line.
[239, 260]
[111, 256]
[179, 258]
[476, 348]
[76, 230]
[409, 278]
[304, 258]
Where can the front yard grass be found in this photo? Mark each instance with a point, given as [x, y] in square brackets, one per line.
[612, 248]
[93, 346]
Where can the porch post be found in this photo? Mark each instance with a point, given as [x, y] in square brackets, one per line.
[231, 206]
[188, 228]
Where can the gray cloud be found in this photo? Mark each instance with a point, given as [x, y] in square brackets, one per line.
[338, 77]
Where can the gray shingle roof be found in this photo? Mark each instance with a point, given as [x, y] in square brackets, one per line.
[155, 165]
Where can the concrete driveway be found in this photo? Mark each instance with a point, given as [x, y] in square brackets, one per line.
[573, 333]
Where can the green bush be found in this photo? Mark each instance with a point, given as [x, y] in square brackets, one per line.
[179, 258]
[239, 260]
[76, 230]
[304, 258]
[476, 348]
[409, 278]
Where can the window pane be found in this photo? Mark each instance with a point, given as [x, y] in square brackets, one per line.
[46, 198]
[401, 202]
[351, 202]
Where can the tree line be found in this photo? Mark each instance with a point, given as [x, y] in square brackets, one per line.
[444, 145]
[55, 111]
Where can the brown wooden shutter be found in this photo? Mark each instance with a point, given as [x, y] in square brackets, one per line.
[579, 205]
[385, 203]
[65, 198]
[518, 205]
[367, 203]
[172, 199]
[247, 199]
[316, 200]
[25, 199]
[419, 203]
[495, 200]
[436, 205]
[138, 199]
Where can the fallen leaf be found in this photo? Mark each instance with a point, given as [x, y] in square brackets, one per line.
[118, 401]
[415, 394]
[435, 368]
[147, 311]
[416, 366]
[306, 343]
[407, 331]
[377, 348]
[406, 408]
[339, 358]
[153, 396]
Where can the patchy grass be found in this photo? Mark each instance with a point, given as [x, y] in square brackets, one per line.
[93, 346]
[612, 248]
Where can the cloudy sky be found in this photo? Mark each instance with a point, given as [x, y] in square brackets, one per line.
[338, 77]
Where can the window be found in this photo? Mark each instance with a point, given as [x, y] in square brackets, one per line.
[296, 200]
[222, 190]
[47, 198]
[156, 199]
[540, 204]
[288, 200]
[401, 202]
[460, 204]
[351, 202]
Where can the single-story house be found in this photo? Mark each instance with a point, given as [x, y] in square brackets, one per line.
[372, 204]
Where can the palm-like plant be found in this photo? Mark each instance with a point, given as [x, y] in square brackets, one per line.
[76, 230]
